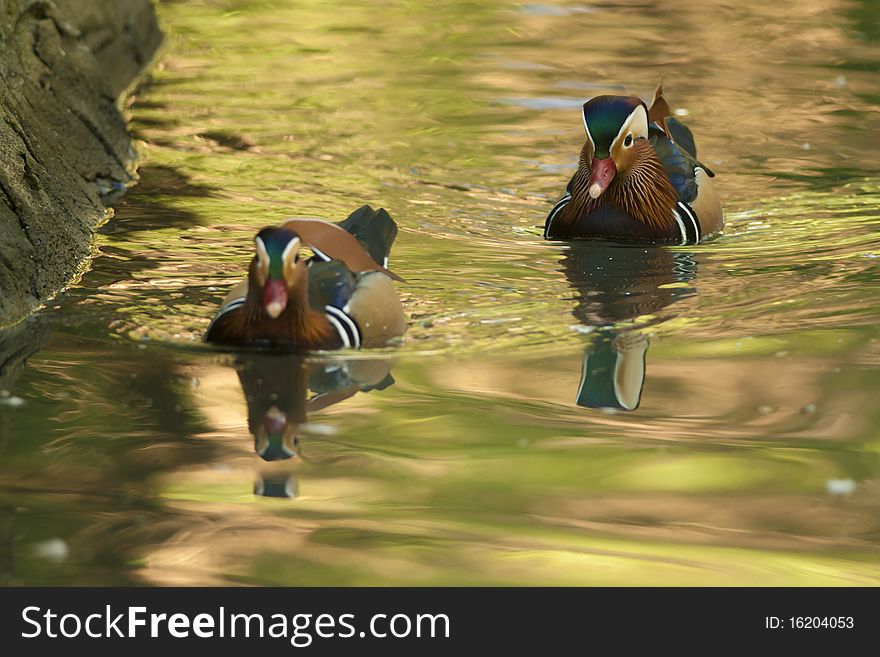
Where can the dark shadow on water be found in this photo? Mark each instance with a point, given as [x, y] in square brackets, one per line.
[79, 501]
[281, 390]
[144, 207]
[826, 178]
[229, 140]
[17, 344]
[148, 206]
[614, 284]
[7, 543]
[865, 17]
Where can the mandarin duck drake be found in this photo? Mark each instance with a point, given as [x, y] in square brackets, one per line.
[638, 178]
[342, 296]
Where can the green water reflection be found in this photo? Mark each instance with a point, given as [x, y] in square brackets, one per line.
[495, 446]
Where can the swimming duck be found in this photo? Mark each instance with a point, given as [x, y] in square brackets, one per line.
[342, 296]
[638, 178]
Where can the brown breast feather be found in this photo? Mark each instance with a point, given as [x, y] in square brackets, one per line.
[336, 243]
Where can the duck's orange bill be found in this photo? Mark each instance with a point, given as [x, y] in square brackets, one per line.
[602, 172]
[274, 297]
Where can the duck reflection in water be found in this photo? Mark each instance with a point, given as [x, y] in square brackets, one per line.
[282, 390]
[615, 284]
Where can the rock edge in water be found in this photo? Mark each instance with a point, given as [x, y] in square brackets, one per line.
[65, 66]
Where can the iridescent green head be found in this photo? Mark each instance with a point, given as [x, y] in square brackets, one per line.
[277, 255]
[614, 124]
[606, 116]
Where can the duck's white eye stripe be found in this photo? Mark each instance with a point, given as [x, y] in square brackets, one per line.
[587, 128]
[261, 251]
[292, 245]
[636, 123]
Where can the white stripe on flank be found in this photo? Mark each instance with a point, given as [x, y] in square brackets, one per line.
[232, 305]
[693, 219]
[238, 302]
[352, 327]
[561, 203]
[684, 235]
[340, 330]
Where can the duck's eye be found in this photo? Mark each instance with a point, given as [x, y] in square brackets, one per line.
[628, 141]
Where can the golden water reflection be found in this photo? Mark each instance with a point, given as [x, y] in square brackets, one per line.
[723, 430]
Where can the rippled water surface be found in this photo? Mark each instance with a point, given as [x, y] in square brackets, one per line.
[559, 413]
